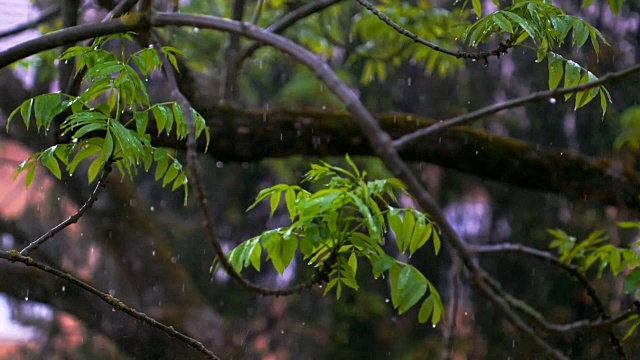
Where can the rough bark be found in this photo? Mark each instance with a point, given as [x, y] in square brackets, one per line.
[245, 136]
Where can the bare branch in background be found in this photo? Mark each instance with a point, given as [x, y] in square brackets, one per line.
[45, 15]
[470, 117]
[75, 217]
[115, 303]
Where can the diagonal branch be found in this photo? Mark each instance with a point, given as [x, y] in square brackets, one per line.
[489, 110]
[285, 22]
[75, 217]
[14, 256]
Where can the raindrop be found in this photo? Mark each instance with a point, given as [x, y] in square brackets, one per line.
[408, 81]
[280, 136]
[324, 107]
[56, 62]
[112, 292]
[173, 260]
[552, 100]
[113, 308]
[196, 30]
[465, 313]
[434, 326]
[281, 331]
[152, 208]
[153, 253]
[26, 298]
[220, 164]
[64, 288]
[474, 60]
[151, 46]
[66, 61]
[183, 287]
[386, 300]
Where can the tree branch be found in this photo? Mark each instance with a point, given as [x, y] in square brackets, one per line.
[14, 256]
[484, 55]
[574, 271]
[75, 217]
[285, 22]
[470, 117]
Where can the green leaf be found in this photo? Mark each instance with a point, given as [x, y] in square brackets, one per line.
[381, 264]
[503, 23]
[172, 173]
[616, 5]
[409, 221]
[411, 286]
[395, 221]
[632, 281]
[256, 257]
[94, 169]
[436, 240]
[571, 76]
[585, 97]
[275, 201]
[426, 310]
[280, 251]
[556, 69]
[580, 33]
[49, 160]
[631, 330]
[353, 263]
[477, 7]
[31, 173]
[46, 107]
[161, 168]
[522, 23]
[25, 112]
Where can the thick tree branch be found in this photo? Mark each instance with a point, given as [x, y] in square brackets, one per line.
[247, 135]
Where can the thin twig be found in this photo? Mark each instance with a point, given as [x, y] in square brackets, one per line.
[44, 16]
[467, 118]
[120, 9]
[194, 178]
[115, 303]
[75, 217]
[484, 55]
[574, 271]
[454, 277]
[285, 22]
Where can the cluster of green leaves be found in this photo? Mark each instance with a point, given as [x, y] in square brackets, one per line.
[547, 26]
[343, 222]
[95, 123]
[594, 250]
